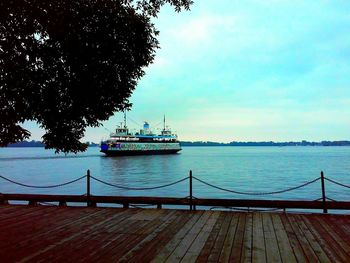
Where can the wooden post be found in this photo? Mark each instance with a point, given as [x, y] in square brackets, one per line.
[88, 187]
[62, 203]
[191, 190]
[33, 203]
[3, 201]
[323, 193]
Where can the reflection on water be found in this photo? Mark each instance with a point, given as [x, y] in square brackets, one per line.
[258, 169]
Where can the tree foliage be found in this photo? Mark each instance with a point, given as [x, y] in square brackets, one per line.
[70, 64]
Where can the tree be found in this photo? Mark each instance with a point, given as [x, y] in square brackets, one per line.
[70, 64]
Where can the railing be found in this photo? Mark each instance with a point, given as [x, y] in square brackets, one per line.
[323, 203]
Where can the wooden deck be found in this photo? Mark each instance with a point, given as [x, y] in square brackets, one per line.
[47, 234]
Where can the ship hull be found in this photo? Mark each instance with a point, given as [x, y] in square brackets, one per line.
[132, 153]
[140, 148]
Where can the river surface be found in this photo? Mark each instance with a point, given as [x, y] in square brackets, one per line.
[245, 169]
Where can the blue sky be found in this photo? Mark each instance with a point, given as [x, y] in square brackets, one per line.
[247, 70]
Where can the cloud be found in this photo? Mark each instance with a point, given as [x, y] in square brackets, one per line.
[201, 29]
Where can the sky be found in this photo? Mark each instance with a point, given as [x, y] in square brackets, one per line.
[229, 70]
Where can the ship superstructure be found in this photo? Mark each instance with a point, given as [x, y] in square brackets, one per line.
[124, 142]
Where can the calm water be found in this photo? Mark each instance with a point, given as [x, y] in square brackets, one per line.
[240, 168]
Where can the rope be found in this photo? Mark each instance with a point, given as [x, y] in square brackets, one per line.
[138, 188]
[327, 198]
[335, 182]
[47, 204]
[245, 210]
[257, 193]
[42, 186]
[141, 206]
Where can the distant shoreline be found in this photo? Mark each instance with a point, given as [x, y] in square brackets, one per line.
[209, 143]
[271, 144]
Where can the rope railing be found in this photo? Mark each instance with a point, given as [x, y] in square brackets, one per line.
[257, 193]
[337, 183]
[139, 188]
[174, 183]
[42, 186]
[192, 200]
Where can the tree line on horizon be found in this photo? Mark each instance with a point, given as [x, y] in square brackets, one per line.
[267, 143]
[34, 143]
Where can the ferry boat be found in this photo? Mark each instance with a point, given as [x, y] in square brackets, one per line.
[123, 142]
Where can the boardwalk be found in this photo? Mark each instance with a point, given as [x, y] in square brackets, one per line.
[74, 234]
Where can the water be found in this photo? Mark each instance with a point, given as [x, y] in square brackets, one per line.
[252, 169]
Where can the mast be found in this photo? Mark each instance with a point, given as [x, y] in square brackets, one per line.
[164, 123]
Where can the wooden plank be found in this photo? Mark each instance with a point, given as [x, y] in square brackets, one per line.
[67, 240]
[183, 246]
[17, 223]
[149, 251]
[147, 214]
[230, 237]
[152, 239]
[80, 229]
[219, 242]
[177, 201]
[238, 241]
[325, 240]
[247, 246]
[67, 220]
[322, 256]
[333, 230]
[293, 240]
[96, 199]
[135, 231]
[304, 244]
[12, 220]
[150, 227]
[271, 203]
[15, 249]
[204, 254]
[284, 245]
[197, 245]
[259, 251]
[95, 236]
[342, 224]
[100, 236]
[179, 236]
[115, 235]
[97, 246]
[7, 210]
[271, 245]
[24, 226]
[26, 239]
[31, 213]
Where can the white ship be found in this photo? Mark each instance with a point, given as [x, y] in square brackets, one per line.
[123, 142]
